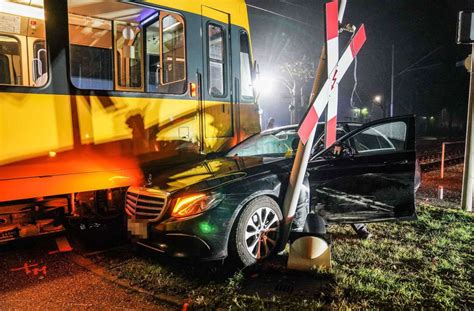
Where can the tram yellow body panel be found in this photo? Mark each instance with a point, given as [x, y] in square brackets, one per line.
[59, 137]
[236, 8]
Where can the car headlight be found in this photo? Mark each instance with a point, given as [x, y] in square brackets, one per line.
[193, 204]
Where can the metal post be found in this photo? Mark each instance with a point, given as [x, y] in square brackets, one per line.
[468, 174]
[443, 151]
[293, 190]
[342, 9]
[292, 107]
[301, 106]
[392, 81]
[302, 156]
[303, 152]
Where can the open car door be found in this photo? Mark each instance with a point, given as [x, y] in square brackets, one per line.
[368, 175]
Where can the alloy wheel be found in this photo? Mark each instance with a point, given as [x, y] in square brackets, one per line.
[261, 233]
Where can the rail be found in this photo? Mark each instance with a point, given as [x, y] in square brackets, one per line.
[431, 160]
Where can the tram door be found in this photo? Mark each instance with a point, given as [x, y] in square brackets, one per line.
[217, 93]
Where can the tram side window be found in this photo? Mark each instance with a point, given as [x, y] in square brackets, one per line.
[10, 61]
[91, 54]
[5, 77]
[216, 60]
[153, 56]
[246, 89]
[120, 45]
[166, 55]
[40, 69]
[173, 65]
[23, 54]
[128, 55]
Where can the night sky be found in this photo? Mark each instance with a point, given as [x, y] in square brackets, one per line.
[416, 28]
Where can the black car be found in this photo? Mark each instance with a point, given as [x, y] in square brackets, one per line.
[231, 205]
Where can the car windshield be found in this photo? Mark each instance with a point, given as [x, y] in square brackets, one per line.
[273, 144]
[283, 142]
[277, 143]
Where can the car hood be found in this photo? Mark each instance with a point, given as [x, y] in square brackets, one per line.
[208, 174]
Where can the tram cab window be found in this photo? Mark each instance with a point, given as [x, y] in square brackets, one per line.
[246, 87]
[123, 46]
[23, 54]
[216, 58]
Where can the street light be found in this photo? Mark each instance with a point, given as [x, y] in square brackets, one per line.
[377, 100]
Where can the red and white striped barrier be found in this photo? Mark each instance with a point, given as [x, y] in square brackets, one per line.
[332, 48]
[320, 103]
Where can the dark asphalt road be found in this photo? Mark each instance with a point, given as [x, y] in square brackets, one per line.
[59, 283]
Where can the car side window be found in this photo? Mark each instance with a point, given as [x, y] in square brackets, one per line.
[382, 138]
[318, 145]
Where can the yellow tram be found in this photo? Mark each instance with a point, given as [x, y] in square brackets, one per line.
[93, 90]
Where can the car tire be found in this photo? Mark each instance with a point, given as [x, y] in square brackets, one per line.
[256, 233]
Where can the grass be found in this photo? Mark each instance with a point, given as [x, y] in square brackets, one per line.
[421, 264]
[427, 263]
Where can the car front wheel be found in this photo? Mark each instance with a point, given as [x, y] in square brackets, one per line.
[257, 232]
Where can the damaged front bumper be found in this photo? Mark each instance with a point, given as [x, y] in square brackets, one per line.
[193, 237]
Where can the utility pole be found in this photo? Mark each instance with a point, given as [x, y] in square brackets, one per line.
[392, 82]
[465, 35]
[468, 173]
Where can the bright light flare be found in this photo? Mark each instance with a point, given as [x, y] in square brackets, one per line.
[264, 85]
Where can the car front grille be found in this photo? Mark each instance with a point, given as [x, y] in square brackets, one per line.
[144, 203]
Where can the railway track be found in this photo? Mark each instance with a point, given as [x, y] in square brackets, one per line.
[430, 160]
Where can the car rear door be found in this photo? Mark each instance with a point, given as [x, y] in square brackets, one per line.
[372, 179]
